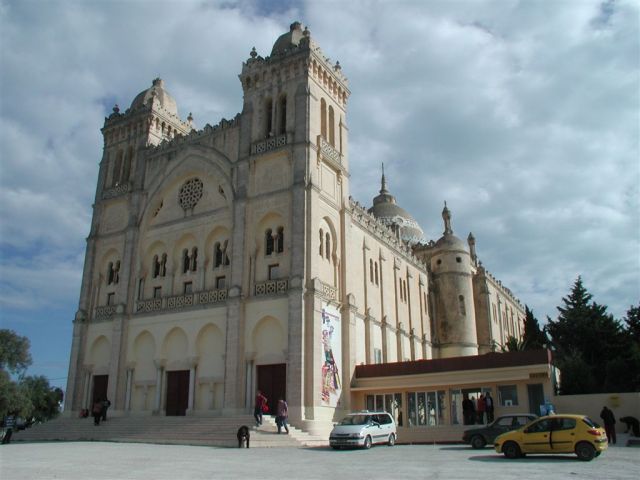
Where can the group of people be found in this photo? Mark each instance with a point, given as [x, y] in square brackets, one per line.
[474, 410]
[262, 406]
[99, 411]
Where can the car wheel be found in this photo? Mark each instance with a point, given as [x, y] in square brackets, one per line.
[477, 441]
[367, 442]
[511, 450]
[392, 440]
[585, 451]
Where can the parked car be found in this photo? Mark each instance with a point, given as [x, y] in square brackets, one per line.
[481, 436]
[555, 434]
[363, 429]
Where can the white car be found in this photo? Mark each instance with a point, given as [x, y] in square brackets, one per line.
[363, 429]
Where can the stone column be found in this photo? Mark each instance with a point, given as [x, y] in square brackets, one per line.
[349, 340]
[160, 363]
[193, 361]
[114, 362]
[130, 372]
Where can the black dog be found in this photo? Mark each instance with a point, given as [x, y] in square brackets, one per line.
[243, 436]
[632, 424]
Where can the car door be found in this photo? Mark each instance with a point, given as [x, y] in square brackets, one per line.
[563, 434]
[378, 429]
[536, 437]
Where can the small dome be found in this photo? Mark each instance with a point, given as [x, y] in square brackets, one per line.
[289, 40]
[156, 90]
[390, 213]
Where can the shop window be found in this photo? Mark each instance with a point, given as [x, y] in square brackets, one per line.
[508, 395]
[426, 408]
[388, 402]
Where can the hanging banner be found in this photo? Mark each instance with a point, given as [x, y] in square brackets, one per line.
[331, 337]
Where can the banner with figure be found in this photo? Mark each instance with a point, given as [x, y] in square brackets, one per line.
[331, 338]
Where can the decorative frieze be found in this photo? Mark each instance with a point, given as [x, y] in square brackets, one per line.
[328, 151]
[272, 287]
[105, 312]
[115, 191]
[327, 291]
[268, 144]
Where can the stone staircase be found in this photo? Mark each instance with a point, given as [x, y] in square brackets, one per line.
[189, 430]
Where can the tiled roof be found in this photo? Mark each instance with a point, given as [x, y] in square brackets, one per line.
[474, 362]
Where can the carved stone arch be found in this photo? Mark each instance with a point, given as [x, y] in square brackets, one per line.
[269, 340]
[186, 242]
[219, 233]
[210, 350]
[156, 247]
[176, 349]
[270, 221]
[100, 354]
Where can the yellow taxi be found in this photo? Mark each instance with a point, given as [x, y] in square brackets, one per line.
[555, 434]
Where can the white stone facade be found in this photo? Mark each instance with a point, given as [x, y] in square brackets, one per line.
[219, 254]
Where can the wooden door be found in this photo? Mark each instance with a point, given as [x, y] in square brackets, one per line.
[272, 382]
[100, 384]
[177, 392]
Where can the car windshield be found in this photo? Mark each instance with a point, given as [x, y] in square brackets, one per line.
[355, 420]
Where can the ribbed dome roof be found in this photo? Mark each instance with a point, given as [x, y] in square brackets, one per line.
[156, 90]
[390, 213]
[289, 40]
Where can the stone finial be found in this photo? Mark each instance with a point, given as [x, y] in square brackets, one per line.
[158, 82]
[446, 216]
[306, 32]
[337, 67]
[116, 108]
[190, 117]
[471, 240]
[253, 53]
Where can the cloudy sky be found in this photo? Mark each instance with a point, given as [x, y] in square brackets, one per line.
[522, 115]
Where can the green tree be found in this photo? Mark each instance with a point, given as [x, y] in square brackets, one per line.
[633, 323]
[14, 352]
[533, 338]
[45, 400]
[513, 345]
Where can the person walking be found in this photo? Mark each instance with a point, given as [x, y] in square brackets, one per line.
[105, 406]
[260, 407]
[9, 423]
[96, 411]
[609, 424]
[283, 413]
[488, 403]
[481, 407]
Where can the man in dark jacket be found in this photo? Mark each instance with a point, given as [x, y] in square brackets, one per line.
[9, 424]
[609, 424]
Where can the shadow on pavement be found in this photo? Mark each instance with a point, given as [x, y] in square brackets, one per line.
[527, 459]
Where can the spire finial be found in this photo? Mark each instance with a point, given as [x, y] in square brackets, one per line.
[446, 216]
[383, 183]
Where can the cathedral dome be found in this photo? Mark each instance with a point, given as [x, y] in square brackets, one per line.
[390, 213]
[156, 90]
[288, 41]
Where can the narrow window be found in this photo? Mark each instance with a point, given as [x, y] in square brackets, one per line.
[332, 135]
[268, 111]
[163, 265]
[157, 292]
[268, 240]
[194, 259]
[126, 169]
[463, 310]
[185, 261]
[140, 289]
[217, 255]
[376, 272]
[323, 118]
[400, 288]
[274, 271]
[321, 243]
[110, 273]
[283, 116]
[371, 270]
[220, 282]
[280, 240]
[156, 266]
[187, 288]
[377, 355]
[111, 298]
[224, 253]
[116, 272]
[117, 167]
[328, 245]
[458, 259]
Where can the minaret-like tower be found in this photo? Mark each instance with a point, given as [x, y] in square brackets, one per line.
[451, 268]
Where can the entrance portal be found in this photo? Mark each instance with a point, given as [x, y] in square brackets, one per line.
[272, 382]
[177, 392]
[100, 383]
[536, 397]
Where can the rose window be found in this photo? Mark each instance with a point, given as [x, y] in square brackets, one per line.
[190, 193]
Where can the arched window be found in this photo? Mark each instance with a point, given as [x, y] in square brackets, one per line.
[268, 112]
[185, 261]
[371, 270]
[332, 134]
[268, 242]
[163, 265]
[110, 273]
[126, 168]
[280, 240]
[463, 310]
[156, 266]
[117, 167]
[194, 259]
[323, 118]
[321, 243]
[328, 246]
[116, 272]
[282, 121]
[217, 255]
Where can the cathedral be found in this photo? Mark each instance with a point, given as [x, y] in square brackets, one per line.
[232, 258]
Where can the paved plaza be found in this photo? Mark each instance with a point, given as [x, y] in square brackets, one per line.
[98, 460]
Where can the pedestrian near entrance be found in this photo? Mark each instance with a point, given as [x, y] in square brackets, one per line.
[488, 403]
[482, 406]
[468, 410]
[261, 405]
[96, 411]
[9, 424]
[609, 424]
[283, 413]
[105, 406]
